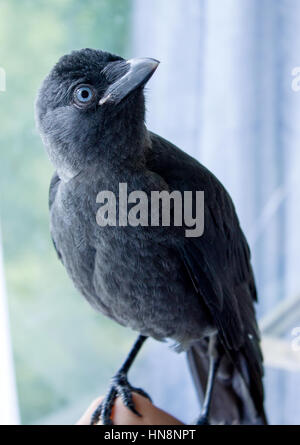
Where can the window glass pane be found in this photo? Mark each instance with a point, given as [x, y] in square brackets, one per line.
[64, 352]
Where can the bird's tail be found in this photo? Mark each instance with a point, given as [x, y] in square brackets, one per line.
[231, 400]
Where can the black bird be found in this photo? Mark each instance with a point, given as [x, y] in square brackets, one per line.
[198, 291]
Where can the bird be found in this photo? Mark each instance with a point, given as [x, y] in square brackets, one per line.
[196, 291]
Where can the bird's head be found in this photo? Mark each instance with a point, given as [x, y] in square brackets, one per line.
[90, 101]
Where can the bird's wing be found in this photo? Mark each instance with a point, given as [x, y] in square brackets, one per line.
[218, 262]
[233, 313]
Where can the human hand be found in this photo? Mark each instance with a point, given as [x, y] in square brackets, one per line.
[151, 415]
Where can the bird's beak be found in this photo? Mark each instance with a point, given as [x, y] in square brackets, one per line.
[127, 76]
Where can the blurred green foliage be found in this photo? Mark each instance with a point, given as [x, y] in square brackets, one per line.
[64, 351]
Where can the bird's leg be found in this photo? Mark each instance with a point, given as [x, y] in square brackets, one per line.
[120, 387]
[214, 362]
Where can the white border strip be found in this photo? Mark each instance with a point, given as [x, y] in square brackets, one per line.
[9, 411]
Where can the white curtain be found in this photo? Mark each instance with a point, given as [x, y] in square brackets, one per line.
[223, 93]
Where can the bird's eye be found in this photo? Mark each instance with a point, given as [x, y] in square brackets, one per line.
[83, 95]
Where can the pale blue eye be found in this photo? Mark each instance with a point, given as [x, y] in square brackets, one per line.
[84, 94]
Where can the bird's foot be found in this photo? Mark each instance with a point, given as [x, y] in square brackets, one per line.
[203, 420]
[120, 387]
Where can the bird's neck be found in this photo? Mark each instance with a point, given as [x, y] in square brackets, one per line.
[125, 144]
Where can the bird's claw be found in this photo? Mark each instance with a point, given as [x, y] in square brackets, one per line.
[120, 387]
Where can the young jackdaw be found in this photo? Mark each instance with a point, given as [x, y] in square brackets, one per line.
[197, 291]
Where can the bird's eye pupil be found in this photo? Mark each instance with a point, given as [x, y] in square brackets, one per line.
[84, 94]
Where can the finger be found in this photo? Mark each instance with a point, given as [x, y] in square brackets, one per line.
[151, 415]
[86, 417]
